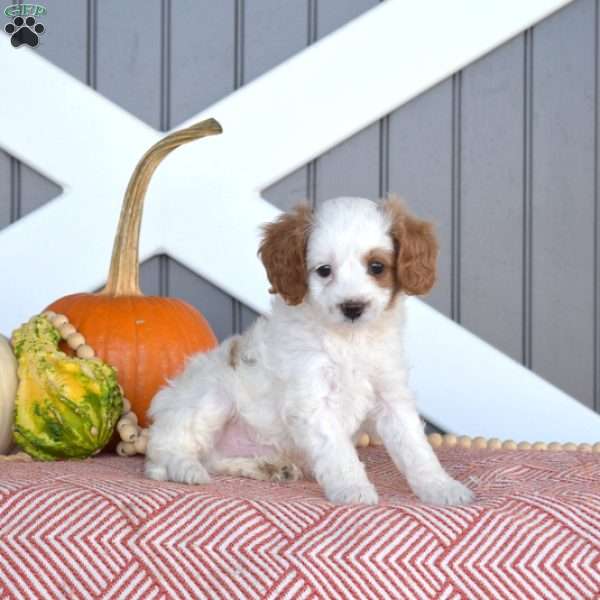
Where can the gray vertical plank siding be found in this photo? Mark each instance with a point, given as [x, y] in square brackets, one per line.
[128, 62]
[22, 190]
[149, 276]
[202, 49]
[527, 196]
[200, 69]
[491, 197]
[273, 31]
[596, 320]
[502, 157]
[455, 197]
[6, 189]
[65, 40]
[331, 15]
[420, 172]
[352, 167]
[248, 317]
[286, 193]
[563, 199]
[35, 190]
[214, 304]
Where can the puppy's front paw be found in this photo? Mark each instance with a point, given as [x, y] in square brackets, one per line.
[353, 494]
[444, 492]
[187, 471]
[156, 472]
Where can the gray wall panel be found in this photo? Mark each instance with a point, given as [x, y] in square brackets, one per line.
[288, 192]
[420, 171]
[151, 276]
[596, 321]
[248, 316]
[491, 197]
[563, 198]
[128, 61]
[351, 168]
[202, 48]
[35, 191]
[5, 189]
[65, 40]
[215, 305]
[331, 15]
[273, 31]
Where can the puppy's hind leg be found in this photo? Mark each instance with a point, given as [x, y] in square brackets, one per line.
[181, 437]
[263, 469]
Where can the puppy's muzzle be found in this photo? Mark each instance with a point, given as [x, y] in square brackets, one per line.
[352, 309]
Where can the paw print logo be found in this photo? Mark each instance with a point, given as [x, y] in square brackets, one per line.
[24, 31]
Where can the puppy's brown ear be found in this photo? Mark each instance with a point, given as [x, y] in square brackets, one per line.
[417, 249]
[283, 252]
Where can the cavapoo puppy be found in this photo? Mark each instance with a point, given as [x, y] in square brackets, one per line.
[285, 399]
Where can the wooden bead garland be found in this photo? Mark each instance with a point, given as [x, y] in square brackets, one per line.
[363, 440]
[449, 440]
[133, 437]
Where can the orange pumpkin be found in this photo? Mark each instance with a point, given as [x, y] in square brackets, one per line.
[147, 338]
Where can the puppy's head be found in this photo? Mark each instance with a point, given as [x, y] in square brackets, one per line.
[350, 258]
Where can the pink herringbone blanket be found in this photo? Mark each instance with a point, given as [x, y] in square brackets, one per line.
[98, 529]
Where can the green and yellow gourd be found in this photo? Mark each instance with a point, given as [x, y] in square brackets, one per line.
[66, 407]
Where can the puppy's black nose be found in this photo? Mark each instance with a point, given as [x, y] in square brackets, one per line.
[352, 310]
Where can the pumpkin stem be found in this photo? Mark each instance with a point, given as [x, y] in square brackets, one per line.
[124, 274]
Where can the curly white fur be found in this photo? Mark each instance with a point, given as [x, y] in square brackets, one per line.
[288, 395]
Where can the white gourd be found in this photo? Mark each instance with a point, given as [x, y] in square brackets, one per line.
[8, 393]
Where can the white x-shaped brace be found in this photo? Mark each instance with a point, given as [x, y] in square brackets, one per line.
[204, 205]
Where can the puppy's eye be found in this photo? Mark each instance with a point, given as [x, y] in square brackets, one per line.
[324, 271]
[376, 268]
